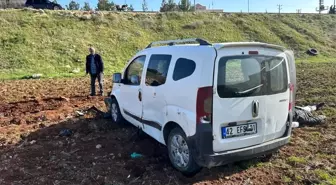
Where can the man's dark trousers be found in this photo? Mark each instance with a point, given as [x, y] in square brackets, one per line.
[100, 78]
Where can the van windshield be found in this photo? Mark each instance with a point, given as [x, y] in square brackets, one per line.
[257, 75]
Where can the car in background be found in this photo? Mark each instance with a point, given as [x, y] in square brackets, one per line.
[43, 4]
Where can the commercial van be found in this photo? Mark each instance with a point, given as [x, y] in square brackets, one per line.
[210, 104]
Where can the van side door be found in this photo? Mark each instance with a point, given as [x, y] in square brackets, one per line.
[131, 95]
[154, 92]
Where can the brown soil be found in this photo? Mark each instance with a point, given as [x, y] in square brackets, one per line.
[34, 112]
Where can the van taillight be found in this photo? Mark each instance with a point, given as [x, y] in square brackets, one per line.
[204, 105]
[291, 90]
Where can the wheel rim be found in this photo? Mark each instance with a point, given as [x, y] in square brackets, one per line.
[114, 112]
[179, 151]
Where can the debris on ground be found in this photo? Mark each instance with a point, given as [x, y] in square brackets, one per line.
[79, 113]
[65, 133]
[32, 142]
[65, 98]
[135, 155]
[99, 146]
[77, 70]
[36, 76]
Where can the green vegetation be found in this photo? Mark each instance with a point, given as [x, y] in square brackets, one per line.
[287, 179]
[296, 160]
[55, 42]
[325, 176]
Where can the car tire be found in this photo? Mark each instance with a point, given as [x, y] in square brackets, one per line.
[313, 52]
[116, 115]
[180, 154]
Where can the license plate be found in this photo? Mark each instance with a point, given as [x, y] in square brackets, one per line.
[240, 130]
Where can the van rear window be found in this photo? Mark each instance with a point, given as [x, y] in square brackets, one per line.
[244, 76]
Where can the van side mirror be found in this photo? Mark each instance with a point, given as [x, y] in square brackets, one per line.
[116, 78]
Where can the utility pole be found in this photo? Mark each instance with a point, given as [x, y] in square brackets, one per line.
[320, 5]
[280, 8]
[195, 5]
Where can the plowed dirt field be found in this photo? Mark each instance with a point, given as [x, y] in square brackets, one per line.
[34, 112]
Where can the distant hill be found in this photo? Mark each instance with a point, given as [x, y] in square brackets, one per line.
[55, 43]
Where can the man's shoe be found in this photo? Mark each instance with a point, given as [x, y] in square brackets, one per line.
[319, 106]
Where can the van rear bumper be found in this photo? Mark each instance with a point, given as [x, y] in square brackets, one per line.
[205, 157]
[219, 159]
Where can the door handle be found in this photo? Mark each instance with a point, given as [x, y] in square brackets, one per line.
[255, 108]
[140, 96]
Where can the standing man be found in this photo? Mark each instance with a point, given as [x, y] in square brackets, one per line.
[95, 67]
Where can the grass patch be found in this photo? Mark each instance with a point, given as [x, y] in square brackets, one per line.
[287, 179]
[325, 176]
[322, 174]
[35, 42]
[297, 160]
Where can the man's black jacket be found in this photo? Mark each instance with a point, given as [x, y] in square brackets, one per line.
[98, 61]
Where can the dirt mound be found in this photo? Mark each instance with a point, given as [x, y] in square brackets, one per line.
[38, 110]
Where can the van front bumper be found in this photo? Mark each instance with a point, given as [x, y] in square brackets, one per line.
[202, 152]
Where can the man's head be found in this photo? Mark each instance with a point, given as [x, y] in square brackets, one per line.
[92, 50]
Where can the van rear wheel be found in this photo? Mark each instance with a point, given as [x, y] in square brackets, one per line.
[180, 154]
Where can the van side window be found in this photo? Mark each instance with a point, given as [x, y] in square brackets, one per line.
[183, 69]
[133, 72]
[157, 70]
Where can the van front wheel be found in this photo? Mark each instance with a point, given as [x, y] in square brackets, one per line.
[116, 115]
[180, 154]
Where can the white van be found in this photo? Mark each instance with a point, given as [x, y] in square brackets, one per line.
[210, 104]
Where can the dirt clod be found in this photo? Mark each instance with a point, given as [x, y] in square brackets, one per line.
[98, 146]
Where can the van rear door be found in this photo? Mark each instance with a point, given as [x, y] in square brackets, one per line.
[251, 98]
